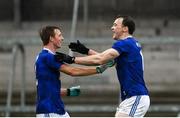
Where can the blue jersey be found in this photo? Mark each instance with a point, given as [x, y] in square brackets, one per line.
[48, 84]
[130, 67]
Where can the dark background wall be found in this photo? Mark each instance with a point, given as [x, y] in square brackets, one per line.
[6, 8]
[32, 10]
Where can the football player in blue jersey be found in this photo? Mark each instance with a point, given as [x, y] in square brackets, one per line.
[47, 69]
[127, 53]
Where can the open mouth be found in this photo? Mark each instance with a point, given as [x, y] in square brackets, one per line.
[113, 33]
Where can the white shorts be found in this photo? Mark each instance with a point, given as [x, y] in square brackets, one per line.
[51, 115]
[135, 106]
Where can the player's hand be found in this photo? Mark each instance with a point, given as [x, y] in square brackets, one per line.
[102, 68]
[64, 57]
[73, 91]
[78, 47]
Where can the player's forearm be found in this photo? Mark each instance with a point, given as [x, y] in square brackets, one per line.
[83, 71]
[90, 60]
[93, 70]
[92, 52]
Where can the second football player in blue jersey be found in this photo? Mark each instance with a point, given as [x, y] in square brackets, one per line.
[47, 69]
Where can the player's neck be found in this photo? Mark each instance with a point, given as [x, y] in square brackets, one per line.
[124, 36]
[51, 48]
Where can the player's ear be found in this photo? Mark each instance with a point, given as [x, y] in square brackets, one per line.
[51, 38]
[125, 28]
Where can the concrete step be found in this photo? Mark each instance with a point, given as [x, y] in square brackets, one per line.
[95, 104]
[96, 98]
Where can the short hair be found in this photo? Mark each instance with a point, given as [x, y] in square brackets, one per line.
[129, 22]
[46, 32]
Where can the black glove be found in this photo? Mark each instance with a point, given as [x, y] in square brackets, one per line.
[64, 57]
[78, 47]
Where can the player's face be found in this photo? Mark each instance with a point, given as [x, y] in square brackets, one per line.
[117, 29]
[58, 38]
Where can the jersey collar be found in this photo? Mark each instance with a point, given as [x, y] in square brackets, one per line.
[49, 50]
[130, 36]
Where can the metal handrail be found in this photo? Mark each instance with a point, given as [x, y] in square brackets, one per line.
[16, 47]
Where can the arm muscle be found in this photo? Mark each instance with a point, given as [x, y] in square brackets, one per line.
[99, 58]
[77, 71]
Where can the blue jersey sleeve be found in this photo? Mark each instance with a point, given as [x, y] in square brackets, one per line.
[121, 46]
[52, 63]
